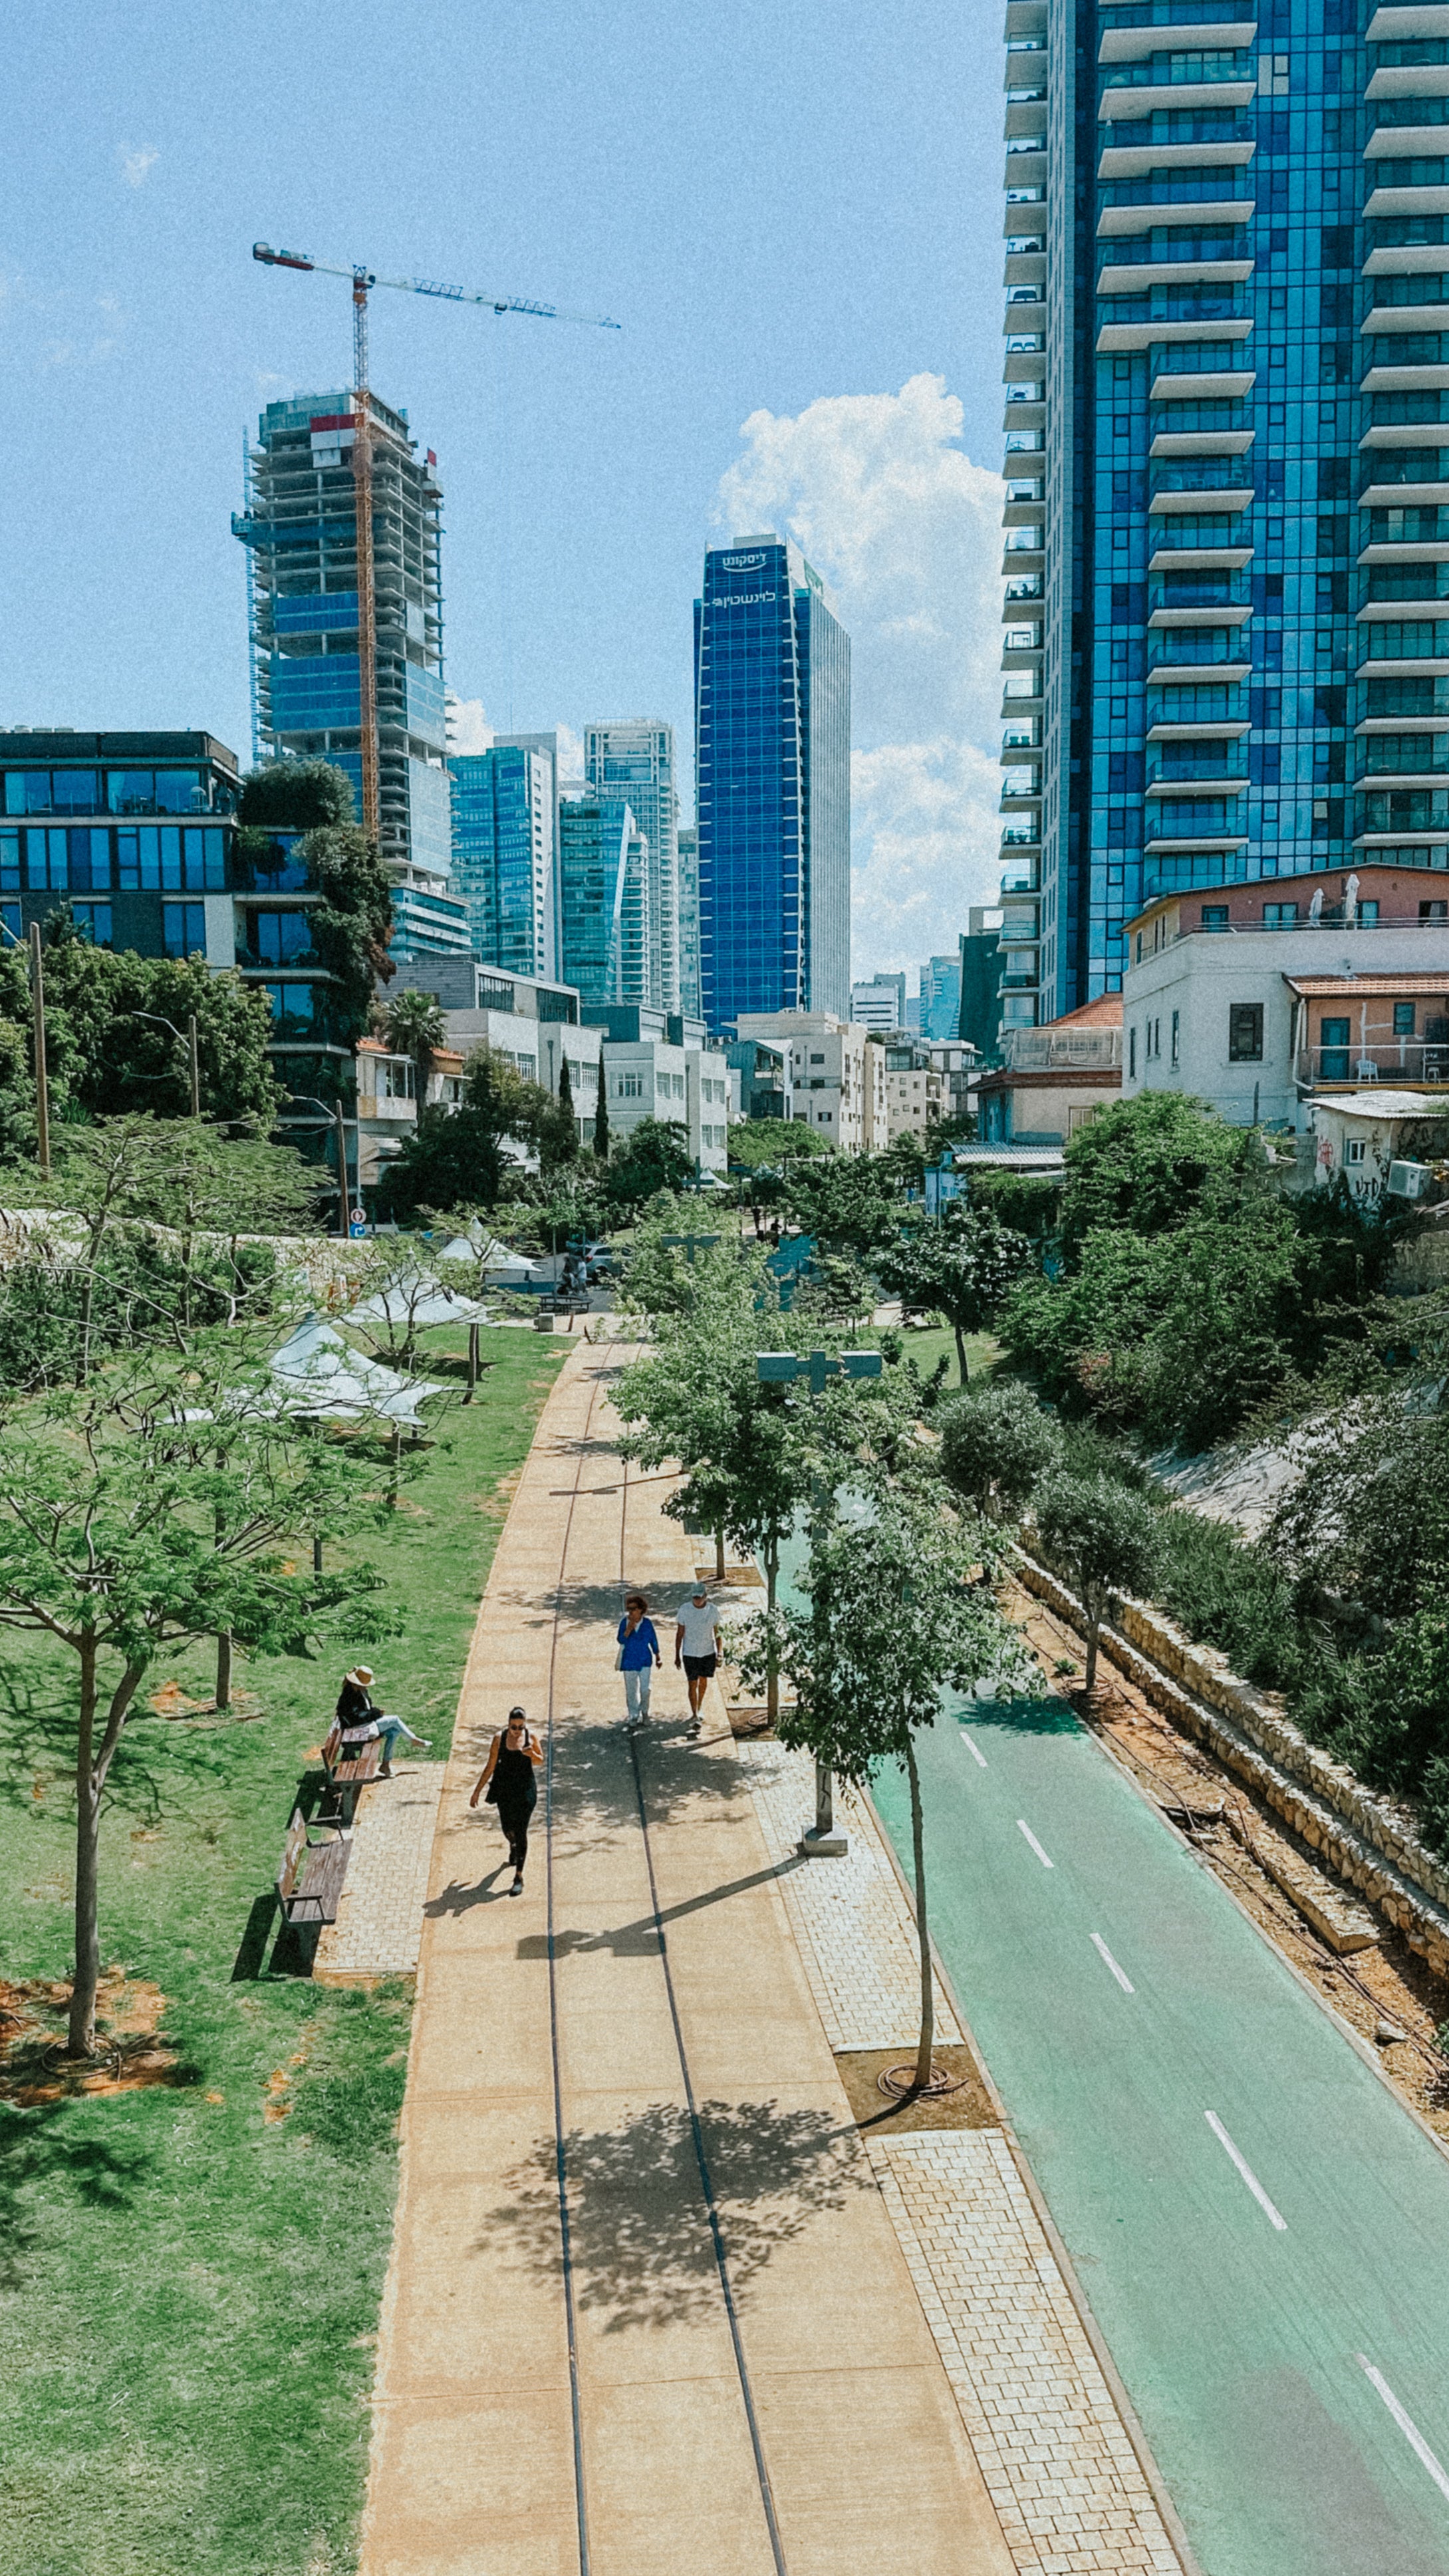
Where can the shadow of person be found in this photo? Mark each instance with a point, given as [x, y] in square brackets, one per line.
[459, 1899]
[639, 2235]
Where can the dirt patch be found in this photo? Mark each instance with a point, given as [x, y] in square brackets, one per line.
[172, 1703]
[132, 2049]
[880, 2117]
[1377, 1991]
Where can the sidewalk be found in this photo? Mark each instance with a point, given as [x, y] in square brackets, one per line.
[678, 2434]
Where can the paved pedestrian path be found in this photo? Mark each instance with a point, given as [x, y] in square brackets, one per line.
[379, 1926]
[647, 2309]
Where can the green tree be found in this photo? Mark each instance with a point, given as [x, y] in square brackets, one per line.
[107, 1048]
[996, 1447]
[1104, 1538]
[601, 1124]
[294, 796]
[966, 1265]
[1144, 1164]
[462, 1158]
[415, 1025]
[848, 1203]
[123, 1529]
[760, 1144]
[655, 1156]
[896, 1614]
[566, 1095]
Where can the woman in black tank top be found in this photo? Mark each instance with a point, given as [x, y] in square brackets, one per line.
[507, 1781]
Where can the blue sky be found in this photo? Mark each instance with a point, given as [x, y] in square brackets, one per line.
[795, 212]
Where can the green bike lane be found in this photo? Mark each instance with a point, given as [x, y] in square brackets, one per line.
[1256, 2222]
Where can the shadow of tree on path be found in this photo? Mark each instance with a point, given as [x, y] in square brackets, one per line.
[639, 2228]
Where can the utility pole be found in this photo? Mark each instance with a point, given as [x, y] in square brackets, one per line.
[37, 1022]
[782, 1368]
[344, 1203]
[193, 1058]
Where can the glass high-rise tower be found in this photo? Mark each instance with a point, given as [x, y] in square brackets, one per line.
[503, 855]
[636, 760]
[772, 763]
[1224, 659]
[300, 531]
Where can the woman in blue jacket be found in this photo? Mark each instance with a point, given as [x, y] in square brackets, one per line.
[638, 1655]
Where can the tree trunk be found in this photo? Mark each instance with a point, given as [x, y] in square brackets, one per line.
[223, 1669]
[719, 1556]
[772, 1668]
[316, 1551]
[396, 1466]
[1094, 1630]
[960, 1352]
[928, 1989]
[82, 2033]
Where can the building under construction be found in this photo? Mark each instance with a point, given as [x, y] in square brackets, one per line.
[300, 531]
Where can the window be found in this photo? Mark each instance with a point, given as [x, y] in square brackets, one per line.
[292, 1005]
[1403, 1019]
[183, 929]
[1245, 1033]
[1132, 1055]
[628, 1086]
[817, 1059]
[1368, 914]
[661, 1085]
[1333, 1050]
[180, 791]
[1434, 912]
[131, 791]
[396, 1079]
[1215, 916]
[1356, 1150]
[10, 919]
[73, 791]
[1176, 1035]
[1279, 916]
[47, 861]
[276, 938]
[93, 921]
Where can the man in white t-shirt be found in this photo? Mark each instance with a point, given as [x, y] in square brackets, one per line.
[697, 1647]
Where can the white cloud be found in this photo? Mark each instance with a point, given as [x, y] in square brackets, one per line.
[906, 532]
[468, 727]
[570, 751]
[137, 162]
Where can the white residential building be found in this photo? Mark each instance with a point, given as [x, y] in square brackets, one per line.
[837, 1075]
[879, 1004]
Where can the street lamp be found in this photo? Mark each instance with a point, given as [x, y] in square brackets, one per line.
[686, 1243]
[189, 1042]
[332, 1117]
[782, 1368]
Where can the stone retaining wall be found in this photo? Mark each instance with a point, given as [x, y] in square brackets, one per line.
[1365, 1838]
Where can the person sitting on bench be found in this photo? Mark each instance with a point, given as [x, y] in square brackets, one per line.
[358, 1715]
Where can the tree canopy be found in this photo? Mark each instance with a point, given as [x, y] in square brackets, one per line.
[966, 1264]
[461, 1158]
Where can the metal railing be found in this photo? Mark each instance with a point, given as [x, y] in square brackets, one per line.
[1064, 1050]
[1398, 1061]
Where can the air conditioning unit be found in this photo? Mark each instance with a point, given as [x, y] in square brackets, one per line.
[1408, 1180]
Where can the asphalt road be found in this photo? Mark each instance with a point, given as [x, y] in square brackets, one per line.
[1260, 2228]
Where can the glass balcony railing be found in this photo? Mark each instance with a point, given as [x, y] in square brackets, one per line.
[1184, 71]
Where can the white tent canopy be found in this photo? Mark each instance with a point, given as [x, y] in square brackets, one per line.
[416, 1300]
[326, 1378]
[493, 1257]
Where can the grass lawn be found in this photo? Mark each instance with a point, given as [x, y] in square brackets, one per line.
[190, 2273]
[928, 1343]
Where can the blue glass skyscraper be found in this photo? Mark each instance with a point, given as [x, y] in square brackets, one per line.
[503, 855]
[1223, 513]
[772, 773]
[603, 897]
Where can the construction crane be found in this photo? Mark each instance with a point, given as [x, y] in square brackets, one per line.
[363, 281]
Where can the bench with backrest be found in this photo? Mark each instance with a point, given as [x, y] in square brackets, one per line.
[350, 1757]
[309, 1879]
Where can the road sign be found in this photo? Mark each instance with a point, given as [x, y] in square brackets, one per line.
[359, 1216]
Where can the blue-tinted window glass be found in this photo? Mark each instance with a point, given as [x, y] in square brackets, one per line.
[10, 862]
[149, 841]
[27, 791]
[93, 921]
[193, 853]
[128, 860]
[170, 840]
[10, 919]
[183, 929]
[180, 791]
[131, 791]
[73, 791]
[292, 1008]
[215, 862]
[278, 937]
[46, 857]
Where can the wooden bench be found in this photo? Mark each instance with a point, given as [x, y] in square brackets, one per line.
[350, 1757]
[309, 1880]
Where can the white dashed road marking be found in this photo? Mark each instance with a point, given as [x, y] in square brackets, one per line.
[1123, 1980]
[1245, 2169]
[1023, 1827]
[1405, 2423]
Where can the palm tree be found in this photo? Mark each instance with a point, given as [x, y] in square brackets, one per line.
[414, 1025]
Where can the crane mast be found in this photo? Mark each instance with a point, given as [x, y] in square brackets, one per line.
[366, 596]
[362, 280]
